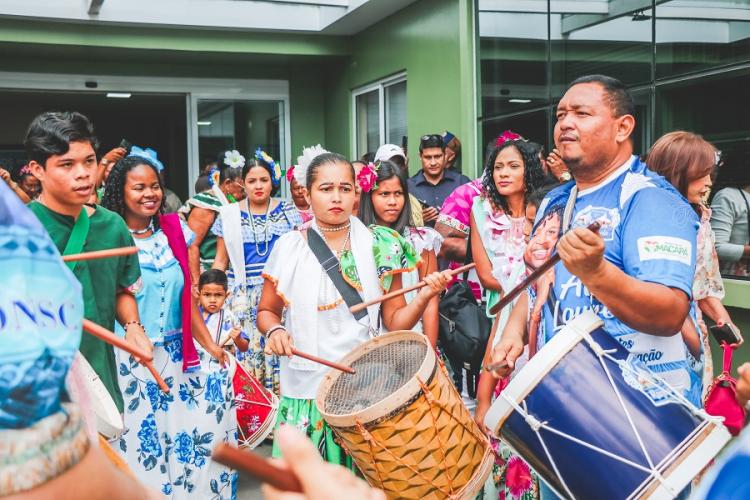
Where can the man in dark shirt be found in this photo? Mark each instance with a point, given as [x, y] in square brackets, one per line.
[434, 182]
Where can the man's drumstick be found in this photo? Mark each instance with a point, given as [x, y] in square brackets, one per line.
[533, 276]
[257, 466]
[110, 338]
[100, 254]
[363, 305]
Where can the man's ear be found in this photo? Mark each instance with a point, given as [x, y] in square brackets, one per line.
[37, 170]
[625, 126]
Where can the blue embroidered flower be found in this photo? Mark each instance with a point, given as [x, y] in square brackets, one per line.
[166, 488]
[187, 396]
[184, 448]
[149, 437]
[224, 477]
[174, 348]
[215, 387]
[159, 400]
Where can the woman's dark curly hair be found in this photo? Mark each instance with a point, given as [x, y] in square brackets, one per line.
[533, 174]
[114, 189]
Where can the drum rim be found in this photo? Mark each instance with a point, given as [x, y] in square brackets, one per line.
[539, 366]
[386, 406]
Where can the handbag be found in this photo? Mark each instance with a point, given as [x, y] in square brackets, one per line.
[464, 328]
[721, 398]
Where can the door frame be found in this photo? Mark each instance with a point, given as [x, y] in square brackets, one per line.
[193, 89]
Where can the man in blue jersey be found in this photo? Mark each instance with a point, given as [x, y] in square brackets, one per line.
[637, 272]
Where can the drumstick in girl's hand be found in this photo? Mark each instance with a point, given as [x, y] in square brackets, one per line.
[330, 364]
[363, 305]
[257, 466]
[110, 338]
[100, 254]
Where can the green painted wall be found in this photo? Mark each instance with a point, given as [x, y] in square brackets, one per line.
[432, 41]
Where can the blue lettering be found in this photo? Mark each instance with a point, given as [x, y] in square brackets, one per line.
[3, 319]
[44, 312]
[62, 316]
[25, 309]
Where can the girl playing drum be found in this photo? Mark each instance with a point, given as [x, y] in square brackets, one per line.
[317, 319]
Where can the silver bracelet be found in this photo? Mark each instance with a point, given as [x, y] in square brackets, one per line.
[274, 329]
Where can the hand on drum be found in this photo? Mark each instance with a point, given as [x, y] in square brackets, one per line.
[582, 251]
[320, 480]
[435, 283]
[279, 343]
[507, 351]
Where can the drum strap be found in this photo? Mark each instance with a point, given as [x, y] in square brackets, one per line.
[77, 237]
[332, 267]
[569, 206]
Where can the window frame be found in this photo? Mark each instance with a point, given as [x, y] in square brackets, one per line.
[381, 86]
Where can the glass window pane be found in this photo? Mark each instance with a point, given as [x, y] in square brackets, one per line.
[367, 122]
[585, 41]
[240, 125]
[715, 107]
[532, 126]
[697, 35]
[395, 113]
[513, 58]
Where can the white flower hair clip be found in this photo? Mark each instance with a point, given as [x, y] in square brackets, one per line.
[234, 159]
[303, 161]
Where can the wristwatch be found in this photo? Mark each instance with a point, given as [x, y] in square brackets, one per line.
[104, 162]
[565, 176]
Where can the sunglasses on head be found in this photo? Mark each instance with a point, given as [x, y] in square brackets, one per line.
[429, 137]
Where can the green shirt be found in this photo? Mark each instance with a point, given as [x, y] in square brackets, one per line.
[100, 280]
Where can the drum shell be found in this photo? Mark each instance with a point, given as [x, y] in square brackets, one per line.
[575, 396]
[422, 449]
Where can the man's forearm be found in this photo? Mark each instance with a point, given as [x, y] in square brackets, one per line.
[453, 249]
[647, 307]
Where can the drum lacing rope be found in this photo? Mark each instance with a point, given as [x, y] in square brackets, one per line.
[536, 425]
[601, 354]
[372, 442]
[431, 402]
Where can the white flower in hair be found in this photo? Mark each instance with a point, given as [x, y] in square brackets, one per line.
[234, 159]
[308, 155]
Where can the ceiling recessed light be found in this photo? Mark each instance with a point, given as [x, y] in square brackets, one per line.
[204, 124]
[118, 95]
[520, 101]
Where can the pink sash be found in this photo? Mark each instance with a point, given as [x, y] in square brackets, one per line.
[170, 224]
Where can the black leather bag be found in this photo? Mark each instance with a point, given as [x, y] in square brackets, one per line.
[464, 328]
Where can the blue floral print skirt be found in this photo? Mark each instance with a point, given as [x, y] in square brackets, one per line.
[169, 438]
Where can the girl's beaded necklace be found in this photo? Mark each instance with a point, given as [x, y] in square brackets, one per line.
[263, 230]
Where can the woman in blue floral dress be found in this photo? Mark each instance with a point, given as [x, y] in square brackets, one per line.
[247, 232]
[169, 437]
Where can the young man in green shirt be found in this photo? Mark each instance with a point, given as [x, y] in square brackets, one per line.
[61, 151]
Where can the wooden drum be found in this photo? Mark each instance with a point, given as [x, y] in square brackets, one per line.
[403, 422]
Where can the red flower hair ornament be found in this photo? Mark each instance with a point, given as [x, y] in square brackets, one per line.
[506, 136]
[367, 178]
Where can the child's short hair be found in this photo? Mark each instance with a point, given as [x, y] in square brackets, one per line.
[536, 196]
[213, 277]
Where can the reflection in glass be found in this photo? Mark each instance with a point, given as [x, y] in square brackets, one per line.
[395, 114]
[367, 122]
[586, 41]
[240, 125]
[532, 126]
[698, 35]
[513, 58]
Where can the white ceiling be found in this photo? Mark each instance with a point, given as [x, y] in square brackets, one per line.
[332, 17]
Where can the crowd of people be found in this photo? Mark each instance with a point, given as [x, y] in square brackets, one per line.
[236, 262]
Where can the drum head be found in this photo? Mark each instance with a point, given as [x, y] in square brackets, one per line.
[108, 420]
[387, 371]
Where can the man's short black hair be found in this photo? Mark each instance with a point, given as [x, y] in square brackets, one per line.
[619, 98]
[431, 141]
[51, 133]
[213, 277]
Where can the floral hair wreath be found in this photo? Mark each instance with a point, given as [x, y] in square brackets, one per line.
[367, 178]
[290, 173]
[232, 159]
[506, 136]
[276, 172]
